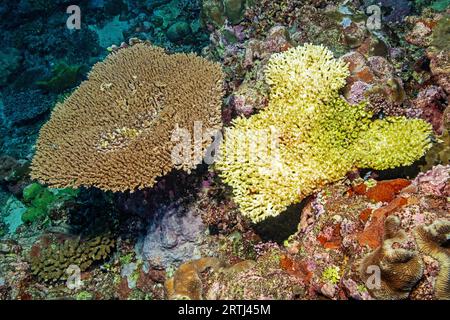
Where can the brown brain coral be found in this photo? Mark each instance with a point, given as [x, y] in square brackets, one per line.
[398, 261]
[115, 131]
[433, 240]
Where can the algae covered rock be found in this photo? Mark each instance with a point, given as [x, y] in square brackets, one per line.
[213, 12]
[212, 279]
[173, 236]
[63, 77]
[234, 10]
[11, 214]
[21, 107]
[441, 34]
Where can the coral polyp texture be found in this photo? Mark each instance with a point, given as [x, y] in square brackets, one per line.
[309, 136]
[115, 131]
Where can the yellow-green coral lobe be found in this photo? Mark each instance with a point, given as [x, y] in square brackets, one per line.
[309, 136]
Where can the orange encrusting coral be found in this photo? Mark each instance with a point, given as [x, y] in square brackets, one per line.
[365, 214]
[372, 235]
[384, 191]
[296, 268]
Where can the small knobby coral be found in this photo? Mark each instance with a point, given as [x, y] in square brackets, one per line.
[52, 262]
[309, 136]
[116, 131]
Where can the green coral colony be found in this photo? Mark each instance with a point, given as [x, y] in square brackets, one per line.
[309, 136]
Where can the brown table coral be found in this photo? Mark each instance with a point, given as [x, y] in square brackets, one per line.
[115, 132]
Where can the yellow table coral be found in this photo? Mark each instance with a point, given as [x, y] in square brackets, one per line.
[309, 136]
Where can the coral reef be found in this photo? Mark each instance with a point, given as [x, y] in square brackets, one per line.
[174, 24]
[135, 100]
[308, 136]
[320, 140]
[266, 13]
[432, 101]
[434, 181]
[327, 255]
[373, 80]
[440, 38]
[218, 11]
[429, 32]
[288, 72]
[432, 241]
